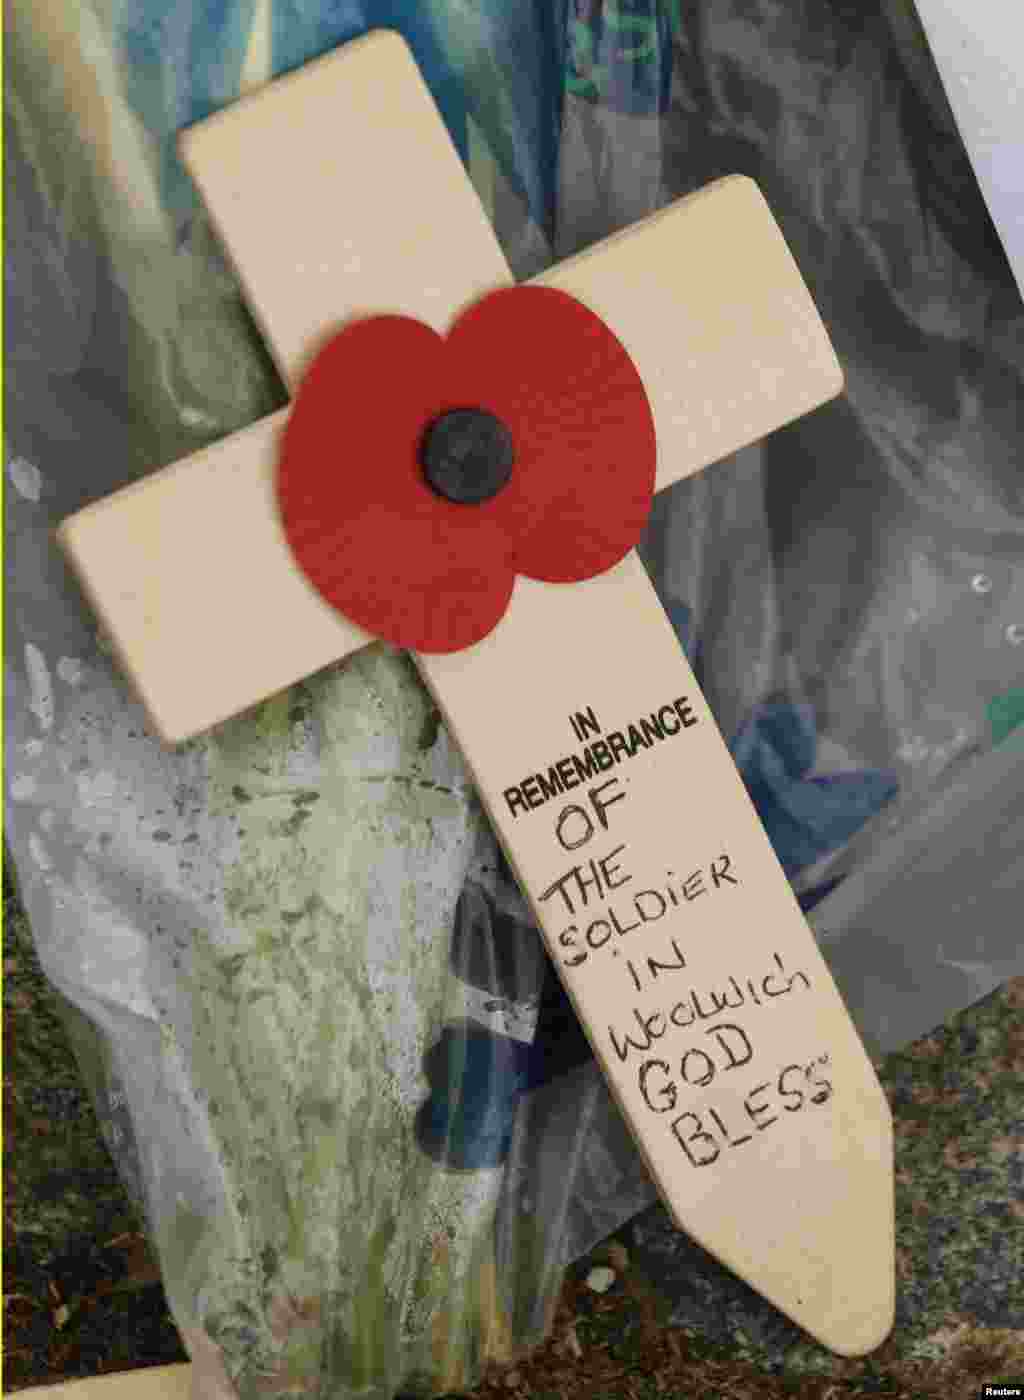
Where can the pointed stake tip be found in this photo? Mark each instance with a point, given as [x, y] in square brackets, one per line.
[867, 1337]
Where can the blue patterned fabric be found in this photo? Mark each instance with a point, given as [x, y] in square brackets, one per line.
[182, 62]
[620, 53]
[806, 815]
[179, 63]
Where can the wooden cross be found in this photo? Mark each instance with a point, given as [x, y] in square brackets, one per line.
[708, 1005]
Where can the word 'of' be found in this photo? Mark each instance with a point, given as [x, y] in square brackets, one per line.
[599, 755]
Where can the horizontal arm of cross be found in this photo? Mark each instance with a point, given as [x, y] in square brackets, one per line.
[379, 216]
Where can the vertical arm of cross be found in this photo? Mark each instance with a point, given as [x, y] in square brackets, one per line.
[657, 892]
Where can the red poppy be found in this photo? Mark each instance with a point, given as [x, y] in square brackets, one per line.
[402, 561]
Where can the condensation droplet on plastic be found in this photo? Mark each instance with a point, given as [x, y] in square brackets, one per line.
[40, 686]
[913, 750]
[981, 583]
[69, 669]
[1015, 633]
[26, 478]
[39, 853]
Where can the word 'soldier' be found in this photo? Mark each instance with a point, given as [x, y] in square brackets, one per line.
[662, 905]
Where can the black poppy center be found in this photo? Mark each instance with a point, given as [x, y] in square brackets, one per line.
[467, 455]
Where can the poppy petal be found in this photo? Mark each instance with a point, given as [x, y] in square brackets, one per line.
[585, 448]
[364, 526]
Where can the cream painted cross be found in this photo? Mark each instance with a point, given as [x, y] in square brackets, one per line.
[713, 1015]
